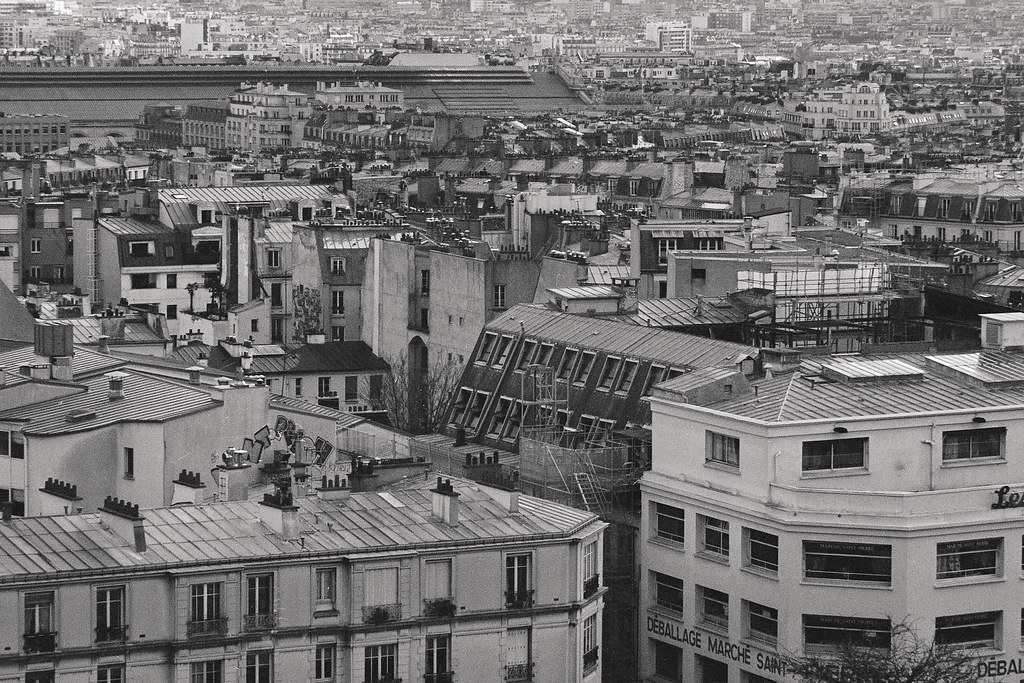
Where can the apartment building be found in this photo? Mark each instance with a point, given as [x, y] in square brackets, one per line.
[455, 583]
[361, 95]
[33, 133]
[850, 111]
[265, 116]
[830, 500]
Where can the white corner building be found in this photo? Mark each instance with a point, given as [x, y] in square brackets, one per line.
[830, 500]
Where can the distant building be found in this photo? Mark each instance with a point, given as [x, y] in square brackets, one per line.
[264, 116]
[849, 111]
[205, 125]
[362, 95]
[33, 134]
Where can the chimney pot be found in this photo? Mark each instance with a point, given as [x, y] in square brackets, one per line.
[103, 343]
[116, 384]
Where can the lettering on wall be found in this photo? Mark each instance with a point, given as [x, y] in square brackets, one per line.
[1006, 499]
[740, 653]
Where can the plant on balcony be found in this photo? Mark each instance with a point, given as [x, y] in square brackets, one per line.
[381, 614]
[590, 659]
[519, 599]
[591, 585]
[439, 607]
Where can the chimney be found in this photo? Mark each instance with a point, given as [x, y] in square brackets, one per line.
[124, 519]
[58, 499]
[444, 505]
[202, 361]
[246, 361]
[103, 343]
[116, 386]
[278, 511]
[188, 489]
[336, 489]
[39, 371]
[194, 374]
[234, 475]
[60, 370]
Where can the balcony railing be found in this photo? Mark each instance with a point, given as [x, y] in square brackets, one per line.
[381, 614]
[208, 627]
[40, 642]
[439, 607]
[446, 677]
[590, 659]
[519, 672]
[107, 634]
[518, 599]
[259, 622]
[591, 585]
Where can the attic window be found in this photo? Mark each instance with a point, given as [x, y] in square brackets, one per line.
[141, 249]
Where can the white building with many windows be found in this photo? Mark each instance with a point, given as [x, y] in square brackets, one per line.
[830, 500]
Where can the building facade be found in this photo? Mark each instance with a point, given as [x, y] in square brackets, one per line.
[265, 116]
[829, 502]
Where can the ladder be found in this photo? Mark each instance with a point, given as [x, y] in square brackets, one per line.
[594, 499]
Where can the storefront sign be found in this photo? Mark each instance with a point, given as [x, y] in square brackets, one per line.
[723, 647]
[1000, 667]
[1005, 499]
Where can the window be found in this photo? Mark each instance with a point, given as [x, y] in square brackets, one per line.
[143, 280]
[298, 386]
[526, 356]
[670, 522]
[141, 248]
[273, 258]
[110, 673]
[715, 536]
[761, 622]
[424, 283]
[827, 632]
[379, 663]
[629, 370]
[835, 561]
[762, 550]
[668, 592]
[129, 463]
[664, 247]
[172, 312]
[337, 302]
[259, 600]
[39, 624]
[499, 297]
[172, 281]
[211, 671]
[254, 325]
[980, 629]
[35, 245]
[722, 449]
[381, 586]
[48, 676]
[490, 341]
[276, 294]
[504, 347]
[326, 580]
[566, 365]
[834, 454]
[259, 667]
[608, 374]
[518, 580]
[437, 577]
[960, 559]
[110, 614]
[517, 654]
[590, 642]
[204, 608]
[438, 657]
[323, 663]
[668, 660]
[698, 275]
[589, 560]
[544, 354]
[585, 366]
[337, 265]
[323, 386]
[337, 333]
[713, 607]
[351, 388]
[424, 318]
[35, 272]
[972, 444]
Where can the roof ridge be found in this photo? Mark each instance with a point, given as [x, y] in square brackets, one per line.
[785, 397]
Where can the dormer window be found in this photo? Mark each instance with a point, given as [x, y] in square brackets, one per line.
[141, 249]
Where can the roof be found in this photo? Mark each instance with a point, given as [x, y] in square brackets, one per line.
[84, 363]
[88, 330]
[689, 311]
[585, 292]
[17, 321]
[919, 384]
[297, 405]
[177, 201]
[232, 532]
[664, 346]
[146, 399]
[131, 226]
[603, 275]
[343, 356]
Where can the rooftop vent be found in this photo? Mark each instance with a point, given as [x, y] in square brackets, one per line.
[61, 489]
[80, 415]
[982, 369]
[1002, 331]
[857, 371]
[444, 504]
[116, 386]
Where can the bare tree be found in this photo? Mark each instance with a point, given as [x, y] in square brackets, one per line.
[908, 659]
[417, 402]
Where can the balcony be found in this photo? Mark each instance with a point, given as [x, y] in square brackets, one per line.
[207, 627]
[40, 642]
[381, 614]
[447, 677]
[111, 634]
[259, 622]
[590, 659]
[518, 599]
[439, 607]
[519, 672]
[591, 585]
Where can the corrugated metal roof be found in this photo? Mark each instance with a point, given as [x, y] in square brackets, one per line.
[342, 356]
[585, 292]
[664, 346]
[297, 405]
[131, 226]
[603, 275]
[688, 311]
[232, 532]
[84, 363]
[146, 399]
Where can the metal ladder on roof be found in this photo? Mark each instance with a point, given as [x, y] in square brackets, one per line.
[594, 498]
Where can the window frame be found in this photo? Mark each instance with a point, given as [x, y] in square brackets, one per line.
[721, 449]
[832, 457]
[669, 592]
[751, 560]
[259, 666]
[325, 581]
[755, 612]
[325, 662]
[968, 620]
[714, 537]
[860, 626]
[437, 654]
[846, 550]
[665, 512]
[960, 550]
[718, 616]
[584, 368]
[999, 432]
[380, 662]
